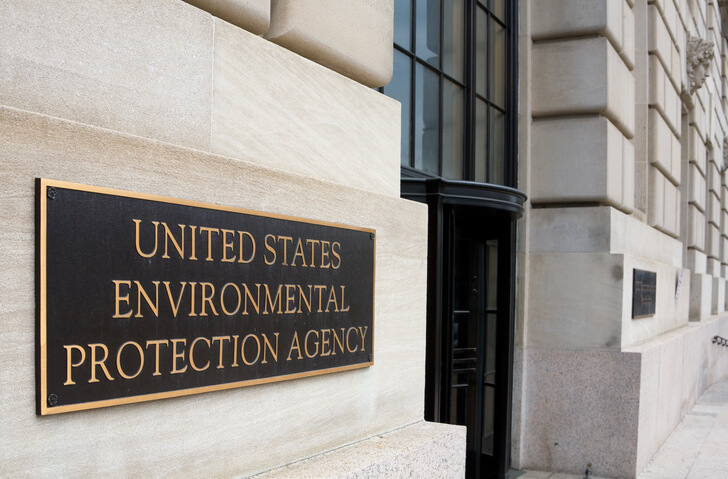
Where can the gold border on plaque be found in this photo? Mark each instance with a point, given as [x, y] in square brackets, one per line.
[45, 409]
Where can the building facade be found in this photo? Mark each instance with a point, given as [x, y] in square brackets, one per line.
[545, 180]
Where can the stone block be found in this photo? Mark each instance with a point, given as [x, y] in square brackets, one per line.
[714, 176]
[662, 144]
[656, 198]
[697, 261]
[628, 175]
[718, 304]
[233, 424]
[250, 15]
[589, 415]
[353, 38]
[577, 303]
[696, 180]
[327, 127]
[146, 72]
[696, 228]
[701, 296]
[659, 41]
[583, 76]
[663, 95]
[628, 37]
[577, 160]
[696, 147]
[714, 210]
[424, 449]
[672, 209]
[713, 266]
[568, 18]
[713, 246]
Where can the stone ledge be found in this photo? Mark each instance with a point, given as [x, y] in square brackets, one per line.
[424, 449]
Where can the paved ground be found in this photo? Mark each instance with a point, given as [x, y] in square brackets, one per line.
[697, 449]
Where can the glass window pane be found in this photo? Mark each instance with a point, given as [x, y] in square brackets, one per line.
[399, 89]
[427, 31]
[402, 26]
[492, 274]
[497, 155]
[426, 126]
[481, 141]
[452, 131]
[488, 420]
[498, 8]
[497, 71]
[481, 52]
[453, 41]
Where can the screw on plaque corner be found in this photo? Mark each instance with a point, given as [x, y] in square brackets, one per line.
[52, 193]
[371, 236]
[52, 400]
[370, 358]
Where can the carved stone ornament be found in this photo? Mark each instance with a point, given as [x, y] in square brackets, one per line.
[699, 56]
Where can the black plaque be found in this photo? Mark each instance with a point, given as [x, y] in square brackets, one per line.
[644, 293]
[142, 297]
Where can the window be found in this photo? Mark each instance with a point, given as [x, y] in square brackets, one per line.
[452, 67]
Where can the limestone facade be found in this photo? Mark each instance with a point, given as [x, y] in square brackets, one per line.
[622, 132]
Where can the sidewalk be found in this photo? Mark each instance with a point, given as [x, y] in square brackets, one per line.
[696, 449]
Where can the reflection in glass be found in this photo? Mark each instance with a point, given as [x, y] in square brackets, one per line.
[481, 52]
[399, 89]
[453, 41]
[498, 65]
[402, 31]
[452, 131]
[427, 144]
[481, 141]
[497, 155]
[427, 31]
[488, 420]
[498, 8]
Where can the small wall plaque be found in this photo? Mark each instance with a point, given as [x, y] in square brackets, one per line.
[143, 297]
[644, 293]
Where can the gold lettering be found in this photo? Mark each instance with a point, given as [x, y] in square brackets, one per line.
[136, 239]
[180, 247]
[295, 345]
[192, 299]
[220, 339]
[313, 244]
[222, 299]
[286, 240]
[153, 306]
[235, 352]
[118, 299]
[156, 344]
[336, 254]
[363, 333]
[299, 252]
[192, 355]
[305, 344]
[193, 251]
[325, 254]
[320, 288]
[248, 295]
[118, 360]
[271, 249]
[325, 342]
[226, 246]
[337, 340]
[176, 356]
[301, 296]
[332, 299]
[175, 306]
[69, 361]
[290, 298]
[242, 349]
[100, 362]
[268, 347]
[343, 309]
[252, 242]
[348, 346]
[207, 298]
[209, 232]
[270, 302]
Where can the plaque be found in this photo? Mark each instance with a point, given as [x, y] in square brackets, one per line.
[143, 297]
[644, 293]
